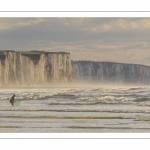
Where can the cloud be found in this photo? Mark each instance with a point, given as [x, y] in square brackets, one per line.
[99, 39]
[30, 22]
[91, 24]
[115, 24]
[12, 23]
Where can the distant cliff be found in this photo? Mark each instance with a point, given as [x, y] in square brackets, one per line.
[111, 72]
[34, 67]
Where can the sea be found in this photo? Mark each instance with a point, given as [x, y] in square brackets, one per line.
[76, 109]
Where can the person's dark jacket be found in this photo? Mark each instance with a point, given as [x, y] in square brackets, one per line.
[12, 100]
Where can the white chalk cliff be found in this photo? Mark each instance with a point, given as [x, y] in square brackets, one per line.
[17, 68]
[110, 72]
[40, 68]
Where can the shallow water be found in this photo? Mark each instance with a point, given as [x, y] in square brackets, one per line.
[76, 109]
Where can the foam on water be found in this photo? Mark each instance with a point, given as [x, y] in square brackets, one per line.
[76, 103]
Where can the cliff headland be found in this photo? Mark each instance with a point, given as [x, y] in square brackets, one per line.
[35, 67]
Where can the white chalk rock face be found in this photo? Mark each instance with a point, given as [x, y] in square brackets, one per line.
[111, 72]
[32, 68]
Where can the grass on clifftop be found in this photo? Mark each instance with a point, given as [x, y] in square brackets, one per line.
[31, 52]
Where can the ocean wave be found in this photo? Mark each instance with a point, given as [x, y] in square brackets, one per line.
[142, 99]
[34, 96]
[3, 98]
[82, 96]
[144, 104]
[113, 98]
[73, 103]
[63, 95]
[142, 118]
[77, 110]
[134, 88]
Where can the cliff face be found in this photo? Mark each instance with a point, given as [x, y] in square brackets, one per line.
[38, 68]
[111, 72]
[31, 68]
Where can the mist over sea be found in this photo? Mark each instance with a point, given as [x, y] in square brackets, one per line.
[76, 109]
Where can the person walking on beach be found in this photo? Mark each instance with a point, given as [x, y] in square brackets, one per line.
[12, 100]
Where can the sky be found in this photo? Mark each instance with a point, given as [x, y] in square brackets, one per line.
[124, 40]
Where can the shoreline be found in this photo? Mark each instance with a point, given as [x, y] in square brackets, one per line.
[75, 85]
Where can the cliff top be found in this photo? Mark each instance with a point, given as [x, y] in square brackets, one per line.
[34, 55]
[41, 52]
[104, 62]
[32, 52]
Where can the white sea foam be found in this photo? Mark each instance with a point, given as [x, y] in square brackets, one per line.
[125, 105]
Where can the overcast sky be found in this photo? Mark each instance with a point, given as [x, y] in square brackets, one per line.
[124, 40]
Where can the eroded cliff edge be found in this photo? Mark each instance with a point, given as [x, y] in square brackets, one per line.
[35, 68]
[109, 72]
